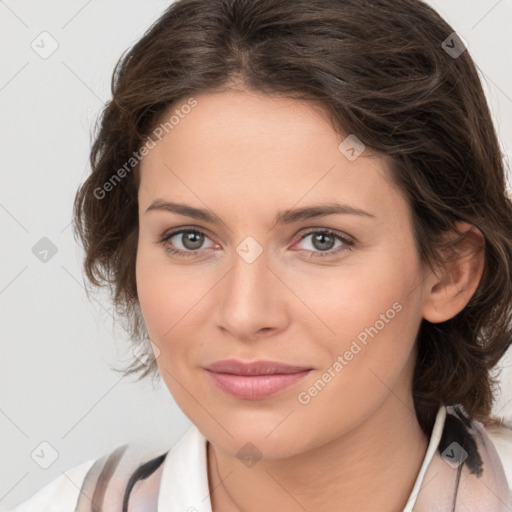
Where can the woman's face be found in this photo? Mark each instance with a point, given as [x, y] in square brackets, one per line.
[346, 305]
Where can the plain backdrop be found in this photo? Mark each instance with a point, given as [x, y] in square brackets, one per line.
[59, 396]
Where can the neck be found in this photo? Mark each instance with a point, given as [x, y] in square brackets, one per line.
[370, 469]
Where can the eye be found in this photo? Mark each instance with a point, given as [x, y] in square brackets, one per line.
[323, 242]
[191, 240]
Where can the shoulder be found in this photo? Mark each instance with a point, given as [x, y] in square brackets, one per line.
[485, 475]
[501, 437]
[466, 472]
[128, 472]
[482, 481]
[60, 494]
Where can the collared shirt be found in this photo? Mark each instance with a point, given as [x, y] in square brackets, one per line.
[461, 470]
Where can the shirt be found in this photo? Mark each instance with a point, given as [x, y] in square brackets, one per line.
[461, 470]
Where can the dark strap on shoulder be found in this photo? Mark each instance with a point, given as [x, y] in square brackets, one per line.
[96, 481]
[457, 429]
[99, 478]
[141, 473]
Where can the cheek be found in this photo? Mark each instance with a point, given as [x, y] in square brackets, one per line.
[149, 291]
[163, 311]
[171, 298]
[369, 314]
[368, 355]
[169, 304]
[161, 295]
[352, 298]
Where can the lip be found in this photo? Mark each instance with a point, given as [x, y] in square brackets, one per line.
[255, 380]
[261, 367]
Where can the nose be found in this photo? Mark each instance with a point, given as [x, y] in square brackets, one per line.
[253, 301]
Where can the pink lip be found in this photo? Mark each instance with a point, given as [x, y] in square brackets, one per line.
[256, 380]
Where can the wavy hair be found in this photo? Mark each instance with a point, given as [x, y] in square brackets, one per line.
[390, 71]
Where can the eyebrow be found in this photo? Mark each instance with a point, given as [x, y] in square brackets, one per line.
[288, 216]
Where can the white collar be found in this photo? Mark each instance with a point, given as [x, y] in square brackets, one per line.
[435, 437]
[184, 482]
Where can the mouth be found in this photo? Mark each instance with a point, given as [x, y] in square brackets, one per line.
[256, 380]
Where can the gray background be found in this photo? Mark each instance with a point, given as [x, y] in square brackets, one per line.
[57, 345]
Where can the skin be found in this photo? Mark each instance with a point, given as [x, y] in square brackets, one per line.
[244, 156]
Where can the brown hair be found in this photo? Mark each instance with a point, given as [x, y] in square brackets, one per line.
[384, 70]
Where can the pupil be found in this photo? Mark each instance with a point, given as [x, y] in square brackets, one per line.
[319, 238]
[190, 243]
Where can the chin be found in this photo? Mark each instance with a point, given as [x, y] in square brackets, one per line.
[257, 439]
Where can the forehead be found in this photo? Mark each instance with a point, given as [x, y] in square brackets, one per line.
[255, 151]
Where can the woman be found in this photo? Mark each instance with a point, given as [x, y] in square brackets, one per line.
[301, 208]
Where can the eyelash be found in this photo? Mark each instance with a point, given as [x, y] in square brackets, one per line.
[348, 244]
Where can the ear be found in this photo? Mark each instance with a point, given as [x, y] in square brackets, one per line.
[454, 282]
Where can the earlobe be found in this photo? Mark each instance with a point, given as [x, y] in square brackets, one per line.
[451, 287]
